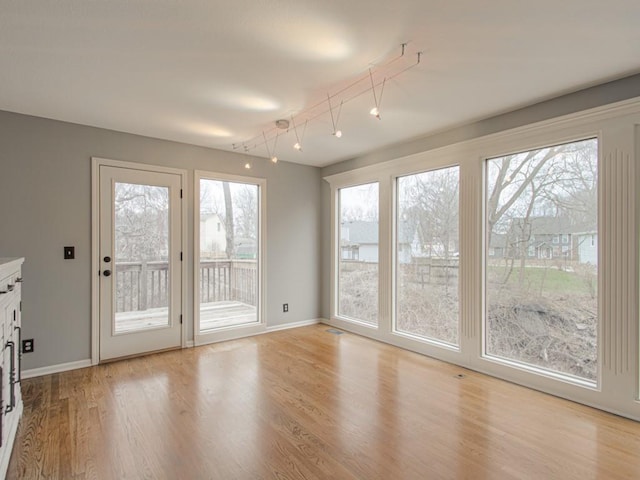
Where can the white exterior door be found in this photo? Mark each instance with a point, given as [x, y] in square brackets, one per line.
[140, 249]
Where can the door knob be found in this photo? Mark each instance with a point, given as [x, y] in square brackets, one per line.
[107, 273]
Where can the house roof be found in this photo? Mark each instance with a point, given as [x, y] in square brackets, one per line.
[550, 225]
[366, 232]
[498, 240]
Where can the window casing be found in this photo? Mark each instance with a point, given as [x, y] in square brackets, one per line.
[539, 313]
[228, 256]
[611, 245]
[428, 255]
[359, 252]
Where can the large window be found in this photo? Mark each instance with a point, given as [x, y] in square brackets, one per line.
[514, 254]
[358, 253]
[541, 262]
[427, 255]
[229, 249]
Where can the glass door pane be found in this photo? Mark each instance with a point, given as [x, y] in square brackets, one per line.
[141, 264]
[229, 248]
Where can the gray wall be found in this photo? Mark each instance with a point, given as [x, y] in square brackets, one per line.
[600, 95]
[45, 199]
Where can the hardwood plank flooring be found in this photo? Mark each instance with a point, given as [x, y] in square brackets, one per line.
[307, 404]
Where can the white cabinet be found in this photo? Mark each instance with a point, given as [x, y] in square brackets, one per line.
[10, 360]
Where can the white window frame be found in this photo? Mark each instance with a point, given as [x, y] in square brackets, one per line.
[358, 325]
[235, 331]
[432, 342]
[617, 129]
[557, 240]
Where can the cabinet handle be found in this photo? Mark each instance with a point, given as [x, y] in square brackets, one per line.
[12, 377]
[19, 280]
[10, 287]
[19, 376]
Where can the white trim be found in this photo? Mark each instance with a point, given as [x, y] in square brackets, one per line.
[96, 163]
[65, 367]
[185, 255]
[438, 156]
[143, 167]
[61, 367]
[234, 331]
[95, 261]
[231, 332]
[244, 331]
[617, 129]
[301, 323]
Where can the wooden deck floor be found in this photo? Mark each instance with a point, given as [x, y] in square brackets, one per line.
[308, 404]
[212, 315]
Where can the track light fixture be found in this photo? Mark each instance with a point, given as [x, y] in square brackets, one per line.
[358, 87]
[375, 111]
[334, 122]
[272, 153]
[298, 144]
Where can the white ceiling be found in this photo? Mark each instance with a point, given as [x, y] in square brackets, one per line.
[215, 73]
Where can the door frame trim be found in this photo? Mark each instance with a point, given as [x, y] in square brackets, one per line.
[96, 163]
[242, 330]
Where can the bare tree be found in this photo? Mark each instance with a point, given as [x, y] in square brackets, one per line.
[141, 222]
[228, 219]
[430, 203]
[246, 202]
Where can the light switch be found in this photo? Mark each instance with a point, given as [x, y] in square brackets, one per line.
[69, 253]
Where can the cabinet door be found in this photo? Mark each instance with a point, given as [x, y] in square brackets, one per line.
[5, 314]
[9, 367]
[16, 333]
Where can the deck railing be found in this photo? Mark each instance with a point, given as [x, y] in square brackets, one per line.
[144, 285]
[232, 280]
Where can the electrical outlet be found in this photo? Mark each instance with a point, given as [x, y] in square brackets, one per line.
[27, 345]
[285, 307]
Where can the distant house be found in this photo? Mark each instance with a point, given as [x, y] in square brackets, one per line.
[245, 248]
[425, 244]
[359, 241]
[497, 245]
[542, 238]
[213, 236]
[587, 247]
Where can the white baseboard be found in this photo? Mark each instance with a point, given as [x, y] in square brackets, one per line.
[302, 323]
[61, 367]
[189, 344]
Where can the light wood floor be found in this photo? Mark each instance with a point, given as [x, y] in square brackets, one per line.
[307, 404]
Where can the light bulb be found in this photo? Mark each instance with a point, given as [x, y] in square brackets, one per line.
[338, 133]
[297, 146]
[375, 112]
[274, 159]
[247, 166]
